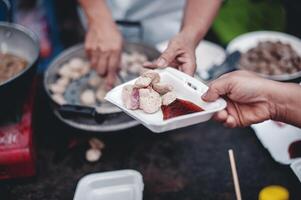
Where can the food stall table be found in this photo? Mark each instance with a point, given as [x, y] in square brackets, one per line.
[189, 163]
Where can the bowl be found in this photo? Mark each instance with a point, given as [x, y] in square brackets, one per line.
[250, 40]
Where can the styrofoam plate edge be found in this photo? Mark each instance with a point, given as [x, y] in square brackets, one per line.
[162, 126]
[85, 185]
[296, 167]
[277, 139]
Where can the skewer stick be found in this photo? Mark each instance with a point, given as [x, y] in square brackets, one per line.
[234, 174]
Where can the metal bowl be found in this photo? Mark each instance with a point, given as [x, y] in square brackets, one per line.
[113, 118]
[247, 41]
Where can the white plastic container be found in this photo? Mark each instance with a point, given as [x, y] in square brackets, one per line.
[185, 87]
[114, 185]
[276, 138]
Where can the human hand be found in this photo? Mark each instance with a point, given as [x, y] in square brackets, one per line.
[180, 53]
[250, 99]
[103, 45]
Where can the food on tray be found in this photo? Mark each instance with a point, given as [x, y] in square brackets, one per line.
[93, 155]
[57, 88]
[132, 62]
[149, 95]
[88, 97]
[74, 69]
[130, 97]
[100, 94]
[142, 95]
[179, 107]
[77, 67]
[59, 99]
[153, 75]
[294, 149]
[168, 98]
[95, 81]
[142, 82]
[10, 65]
[271, 58]
[149, 100]
[162, 88]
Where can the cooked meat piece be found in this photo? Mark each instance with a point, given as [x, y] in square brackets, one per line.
[134, 68]
[271, 58]
[76, 63]
[10, 65]
[162, 88]
[57, 89]
[100, 94]
[143, 82]
[95, 143]
[63, 81]
[95, 81]
[155, 77]
[88, 97]
[93, 155]
[65, 71]
[168, 98]
[130, 97]
[59, 99]
[150, 100]
[85, 68]
[74, 75]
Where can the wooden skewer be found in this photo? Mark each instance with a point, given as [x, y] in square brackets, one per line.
[234, 174]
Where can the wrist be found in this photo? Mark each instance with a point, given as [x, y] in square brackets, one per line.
[284, 101]
[193, 36]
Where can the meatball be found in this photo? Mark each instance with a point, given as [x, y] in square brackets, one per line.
[143, 82]
[88, 97]
[130, 97]
[168, 98]
[155, 77]
[150, 100]
[162, 88]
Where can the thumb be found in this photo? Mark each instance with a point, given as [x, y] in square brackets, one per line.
[166, 57]
[216, 89]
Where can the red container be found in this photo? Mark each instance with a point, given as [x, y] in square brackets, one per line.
[17, 157]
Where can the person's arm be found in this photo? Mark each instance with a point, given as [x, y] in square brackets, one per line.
[287, 98]
[198, 17]
[103, 41]
[96, 11]
[180, 53]
[252, 99]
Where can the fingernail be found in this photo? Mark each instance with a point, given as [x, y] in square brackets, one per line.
[161, 62]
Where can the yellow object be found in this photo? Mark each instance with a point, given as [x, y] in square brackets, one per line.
[274, 192]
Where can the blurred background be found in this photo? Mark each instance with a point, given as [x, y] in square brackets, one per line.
[58, 24]
[189, 163]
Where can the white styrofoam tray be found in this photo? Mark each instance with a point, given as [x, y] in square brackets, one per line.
[276, 138]
[114, 185]
[185, 87]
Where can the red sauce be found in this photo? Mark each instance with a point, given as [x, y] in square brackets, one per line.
[294, 149]
[179, 107]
